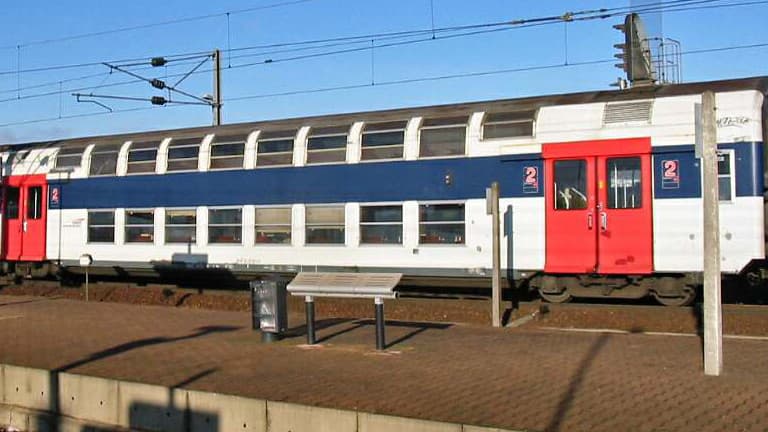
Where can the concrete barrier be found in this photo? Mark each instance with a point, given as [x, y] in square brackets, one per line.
[288, 417]
[35, 400]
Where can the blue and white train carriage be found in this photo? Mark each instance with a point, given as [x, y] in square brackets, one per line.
[604, 187]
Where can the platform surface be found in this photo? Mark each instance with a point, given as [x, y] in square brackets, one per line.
[510, 378]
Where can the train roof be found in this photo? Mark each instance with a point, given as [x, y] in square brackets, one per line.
[445, 110]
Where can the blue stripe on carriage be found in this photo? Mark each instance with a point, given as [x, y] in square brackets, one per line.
[424, 180]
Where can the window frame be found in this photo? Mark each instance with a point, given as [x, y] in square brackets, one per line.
[437, 203]
[81, 153]
[308, 225]
[731, 175]
[225, 225]
[278, 136]
[327, 132]
[132, 225]
[363, 132]
[88, 226]
[96, 152]
[183, 143]
[132, 148]
[228, 140]
[401, 224]
[166, 225]
[531, 120]
[256, 225]
[447, 125]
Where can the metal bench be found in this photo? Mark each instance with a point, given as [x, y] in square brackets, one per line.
[377, 286]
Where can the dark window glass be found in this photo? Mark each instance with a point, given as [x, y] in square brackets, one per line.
[374, 139]
[180, 226]
[723, 163]
[183, 152]
[236, 149]
[101, 226]
[508, 130]
[325, 225]
[441, 224]
[12, 203]
[382, 145]
[103, 164]
[225, 225]
[625, 189]
[142, 157]
[35, 202]
[570, 184]
[180, 234]
[724, 176]
[724, 188]
[180, 217]
[276, 146]
[445, 141]
[381, 224]
[225, 216]
[139, 226]
[326, 156]
[228, 152]
[327, 142]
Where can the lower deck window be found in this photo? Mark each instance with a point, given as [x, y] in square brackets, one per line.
[381, 224]
[139, 226]
[441, 224]
[180, 226]
[101, 226]
[325, 225]
[225, 225]
[273, 225]
[725, 175]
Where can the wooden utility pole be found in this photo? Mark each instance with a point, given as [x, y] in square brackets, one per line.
[216, 87]
[492, 208]
[713, 319]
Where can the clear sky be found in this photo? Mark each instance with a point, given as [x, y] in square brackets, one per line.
[27, 23]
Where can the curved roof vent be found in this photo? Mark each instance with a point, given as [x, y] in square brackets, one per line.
[628, 112]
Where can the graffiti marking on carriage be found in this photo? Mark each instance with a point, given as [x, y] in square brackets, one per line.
[735, 121]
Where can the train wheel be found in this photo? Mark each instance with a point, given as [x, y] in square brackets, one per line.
[562, 297]
[686, 297]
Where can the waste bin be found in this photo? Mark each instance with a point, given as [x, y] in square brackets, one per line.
[268, 307]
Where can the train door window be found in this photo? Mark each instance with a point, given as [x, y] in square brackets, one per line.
[325, 224]
[441, 224]
[570, 184]
[34, 202]
[327, 145]
[383, 140]
[139, 226]
[104, 159]
[142, 157]
[516, 124]
[70, 157]
[183, 154]
[227, 152]
[225, 225]
[180, 226]
[725, 175]
[101, 226]
[12, 195]
[273, 225]
[381, 224]
[275, 148]
[625, 189]
[443, 137]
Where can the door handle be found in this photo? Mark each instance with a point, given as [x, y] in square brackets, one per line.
[24, 226]
[589, 220]
[604, 221]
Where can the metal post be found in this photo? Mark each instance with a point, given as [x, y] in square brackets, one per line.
[380, 338]
[217, 87]
[309, 306]
[492, 207]
[713, 324]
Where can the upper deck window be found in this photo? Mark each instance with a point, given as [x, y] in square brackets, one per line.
[383, 140]
[327, 144]
[275, 148]
[228, 151]
[142, 157]
[104, 159]
[70, 157]
[183, 154]
[443, 137]
[513, 124]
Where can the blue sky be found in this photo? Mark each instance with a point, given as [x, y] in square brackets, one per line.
[35, 20]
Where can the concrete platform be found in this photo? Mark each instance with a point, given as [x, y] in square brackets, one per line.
[456, 375]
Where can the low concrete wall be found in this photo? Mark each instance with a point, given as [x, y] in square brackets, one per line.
[36, 400]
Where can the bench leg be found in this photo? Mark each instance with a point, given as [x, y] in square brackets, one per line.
[309, 306]
[380, 339]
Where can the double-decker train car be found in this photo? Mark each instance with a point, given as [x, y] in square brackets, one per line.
[603, 189]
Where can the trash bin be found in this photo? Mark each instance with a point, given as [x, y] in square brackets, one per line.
[268, 307]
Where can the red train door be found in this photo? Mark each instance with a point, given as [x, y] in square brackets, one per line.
[599, 214]
[24, 218]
